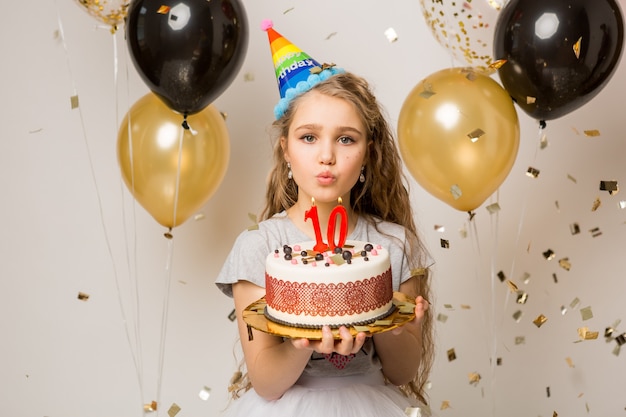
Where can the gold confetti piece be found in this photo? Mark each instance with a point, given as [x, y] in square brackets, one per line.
[475, 134]
[359, 329]
[330, 35]
[520, 340]
[595, 232]
[451, 355]
[549, 254]
[501, 276]
[554, 413]
[439, 228]
[448, 306]
[499, 361]
[621, 339]
[391, 35]
[288, 10]
[571, 178]
[576, 47]
[512, 286]
[199, 216]
[586, 313]
[205, 392]
[532, 172]
[585, 334]
[442, 318]
[563, 310]
[474, 378]
[428, 92]
[608, 332]
[530, 100]
[517, 316]
[248, 77]
[540, 320]
[455, 191]
[463, 232]
[610, 186]
[74, 102]
[445, 244]
[82, 296]
[493, 208]
[574, 303]
[415, 411]
[232, 316]
[224, 115]
[174, 409]
[592, 133]
[622, 204]
[498, 63]
[548, 394]
[525, 278]
[556, 281]
[556, 204]
[445, 404]
[522, 297]
[150, 407]
[570, 362]
[596, 204]
[574, 228]
[565, 264]
[465, 307]
[163, 9]
[543, 142]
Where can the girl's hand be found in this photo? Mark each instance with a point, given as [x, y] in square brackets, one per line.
[346, 345]
[421, 305]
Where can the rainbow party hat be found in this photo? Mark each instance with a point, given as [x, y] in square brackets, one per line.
[296, 71]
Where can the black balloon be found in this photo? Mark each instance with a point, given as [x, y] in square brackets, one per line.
[187, 51]
[560, 53]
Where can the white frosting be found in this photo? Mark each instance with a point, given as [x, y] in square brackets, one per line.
[304, 292]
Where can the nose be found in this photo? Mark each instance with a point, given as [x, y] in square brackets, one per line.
[326, 152]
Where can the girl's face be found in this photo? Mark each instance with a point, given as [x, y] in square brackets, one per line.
[326, 146]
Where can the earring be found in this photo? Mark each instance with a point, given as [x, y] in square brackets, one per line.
[289, 173]
[362, 176]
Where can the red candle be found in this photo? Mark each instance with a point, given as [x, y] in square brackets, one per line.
[320, 246]
[339, 210]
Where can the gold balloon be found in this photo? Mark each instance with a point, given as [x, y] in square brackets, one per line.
[164, 175]
[458, 133]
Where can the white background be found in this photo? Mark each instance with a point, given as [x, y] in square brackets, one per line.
[69, 225]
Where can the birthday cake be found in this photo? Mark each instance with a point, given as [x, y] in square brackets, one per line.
[347, 286]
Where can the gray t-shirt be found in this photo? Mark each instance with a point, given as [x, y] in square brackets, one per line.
[246, 261]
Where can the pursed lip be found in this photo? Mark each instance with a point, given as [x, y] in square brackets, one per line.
[325, 177]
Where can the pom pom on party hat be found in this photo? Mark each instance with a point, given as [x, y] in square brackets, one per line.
[296, 71]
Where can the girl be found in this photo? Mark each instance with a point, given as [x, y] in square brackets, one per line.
[333, 141]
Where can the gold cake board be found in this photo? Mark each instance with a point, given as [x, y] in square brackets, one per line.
[403, 312]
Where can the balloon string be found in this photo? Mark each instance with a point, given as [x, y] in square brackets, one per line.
[495, 222]
[95, 182]
[177, 187]
[132, 272]
[526, 193]
[488, 322]
[164, 320]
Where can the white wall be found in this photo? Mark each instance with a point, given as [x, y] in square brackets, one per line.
[71, 226]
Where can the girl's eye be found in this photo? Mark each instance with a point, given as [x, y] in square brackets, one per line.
[308, 138]
[346, 140]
